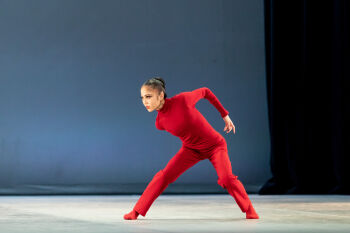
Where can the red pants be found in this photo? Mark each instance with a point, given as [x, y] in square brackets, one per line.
[186, 158]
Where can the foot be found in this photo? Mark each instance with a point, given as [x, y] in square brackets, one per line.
[131, 216]
[251, 214]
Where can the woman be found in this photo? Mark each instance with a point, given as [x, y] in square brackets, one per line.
[200, 141]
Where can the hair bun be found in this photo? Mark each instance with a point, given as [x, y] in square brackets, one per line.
[161, 80]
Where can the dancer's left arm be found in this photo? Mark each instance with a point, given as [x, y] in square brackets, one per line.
[192, 97]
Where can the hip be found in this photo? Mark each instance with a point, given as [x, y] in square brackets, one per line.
[208, 148]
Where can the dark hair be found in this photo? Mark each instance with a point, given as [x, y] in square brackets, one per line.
[156, 83]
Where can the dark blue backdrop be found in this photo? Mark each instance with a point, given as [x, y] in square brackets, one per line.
[70, 74]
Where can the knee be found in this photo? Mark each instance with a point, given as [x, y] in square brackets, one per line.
[164, 177]
[228, 181]
[159, 176]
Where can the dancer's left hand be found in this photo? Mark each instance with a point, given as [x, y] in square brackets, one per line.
[229, 125]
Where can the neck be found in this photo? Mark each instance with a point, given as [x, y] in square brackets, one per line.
[161, 104]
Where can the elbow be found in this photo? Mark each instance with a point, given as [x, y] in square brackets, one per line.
[205, 90]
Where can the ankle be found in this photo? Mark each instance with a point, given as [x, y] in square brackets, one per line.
[251, 214]
[132, 215]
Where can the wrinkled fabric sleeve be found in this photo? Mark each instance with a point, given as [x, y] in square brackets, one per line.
[192, 97]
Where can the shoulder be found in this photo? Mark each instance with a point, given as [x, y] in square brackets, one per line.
[179, 96]
[193, 92]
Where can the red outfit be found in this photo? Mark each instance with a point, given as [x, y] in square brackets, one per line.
[200, 141]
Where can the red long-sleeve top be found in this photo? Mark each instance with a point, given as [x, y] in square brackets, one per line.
[179, 117]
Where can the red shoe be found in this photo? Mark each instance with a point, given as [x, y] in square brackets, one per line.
[251, 214]
[131, 216]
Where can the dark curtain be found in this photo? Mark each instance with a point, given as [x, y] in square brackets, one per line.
[308, 72]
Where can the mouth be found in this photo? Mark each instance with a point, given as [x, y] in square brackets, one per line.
[147, 107]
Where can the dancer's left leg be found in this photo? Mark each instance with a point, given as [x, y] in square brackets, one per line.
[229, 181]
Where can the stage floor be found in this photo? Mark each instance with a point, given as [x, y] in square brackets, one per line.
[174, 213]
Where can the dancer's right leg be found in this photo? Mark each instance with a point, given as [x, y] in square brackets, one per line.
[183, 159]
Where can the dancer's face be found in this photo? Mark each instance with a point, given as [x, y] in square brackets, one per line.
[151, 99]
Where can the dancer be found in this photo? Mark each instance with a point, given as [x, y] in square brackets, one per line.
[200, 141]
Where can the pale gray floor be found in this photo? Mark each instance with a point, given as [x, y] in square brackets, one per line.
[174, 213]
